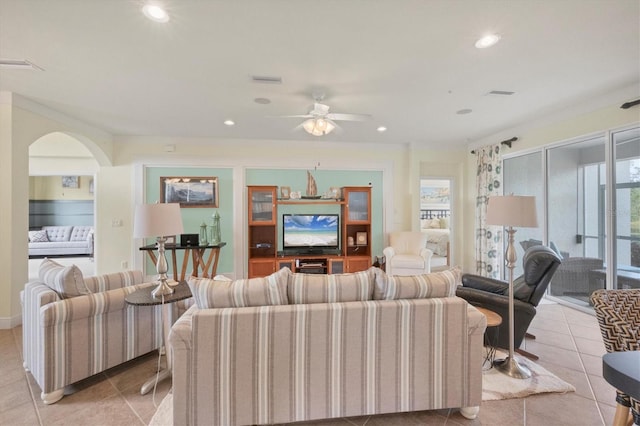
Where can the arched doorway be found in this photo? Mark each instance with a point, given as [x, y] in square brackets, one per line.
[62, 173]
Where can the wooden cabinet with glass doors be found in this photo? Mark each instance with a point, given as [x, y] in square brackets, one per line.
[356, 227]
[263, 230]
[355, 251]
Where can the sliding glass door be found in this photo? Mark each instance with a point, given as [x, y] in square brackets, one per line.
[591, 192]
[626, 148]
[575, 222]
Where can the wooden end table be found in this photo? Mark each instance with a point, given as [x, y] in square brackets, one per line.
[143, 297]
[493, 320]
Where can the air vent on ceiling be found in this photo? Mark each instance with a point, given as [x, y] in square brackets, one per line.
[266, 79]
[18, 64]
[501, 92]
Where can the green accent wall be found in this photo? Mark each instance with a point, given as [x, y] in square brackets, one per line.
[297, 181]
[192, 218]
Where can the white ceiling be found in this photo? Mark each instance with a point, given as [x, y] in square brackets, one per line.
[410, 64]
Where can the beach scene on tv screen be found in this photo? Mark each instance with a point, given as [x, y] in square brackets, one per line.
[310, 230]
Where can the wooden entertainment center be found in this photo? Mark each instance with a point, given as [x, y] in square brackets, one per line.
[265, 253]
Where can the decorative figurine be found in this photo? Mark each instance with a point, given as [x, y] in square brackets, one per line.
[215, 229]
[203, 234]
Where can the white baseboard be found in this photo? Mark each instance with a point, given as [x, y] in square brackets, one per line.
[7, 323]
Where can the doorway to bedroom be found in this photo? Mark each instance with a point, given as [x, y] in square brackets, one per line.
[435, 219]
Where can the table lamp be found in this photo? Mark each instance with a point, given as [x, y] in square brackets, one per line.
[158, 220]
[510, 211]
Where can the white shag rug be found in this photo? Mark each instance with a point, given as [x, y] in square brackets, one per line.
[495, 385]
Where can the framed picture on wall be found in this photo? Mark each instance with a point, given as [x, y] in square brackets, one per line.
[189, 191]
[70, 182]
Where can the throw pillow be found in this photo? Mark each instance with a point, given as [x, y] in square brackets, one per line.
[322, 288]
[435, 284]
[67, 281]
[38, 237]
[212, 293]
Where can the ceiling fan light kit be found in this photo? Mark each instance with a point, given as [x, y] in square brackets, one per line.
[318, 126]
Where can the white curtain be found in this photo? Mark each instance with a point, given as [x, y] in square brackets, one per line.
[489, 254]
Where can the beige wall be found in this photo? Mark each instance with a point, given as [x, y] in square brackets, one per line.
[50, 188]
[21, 124]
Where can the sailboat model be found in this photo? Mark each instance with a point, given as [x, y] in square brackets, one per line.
[312, 189]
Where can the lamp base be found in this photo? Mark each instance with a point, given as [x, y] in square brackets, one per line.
[162, 289]
[511, 368]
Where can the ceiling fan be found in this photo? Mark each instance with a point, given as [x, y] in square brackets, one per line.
[322, 122]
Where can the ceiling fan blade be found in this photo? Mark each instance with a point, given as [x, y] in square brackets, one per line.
[291, 116]
[348, 117]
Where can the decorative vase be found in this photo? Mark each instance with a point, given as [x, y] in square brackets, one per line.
[203, 235]
[215, 229]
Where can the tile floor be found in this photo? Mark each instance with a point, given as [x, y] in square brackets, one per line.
[568, 342]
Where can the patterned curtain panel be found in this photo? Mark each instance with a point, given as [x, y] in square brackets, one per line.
[488, 238]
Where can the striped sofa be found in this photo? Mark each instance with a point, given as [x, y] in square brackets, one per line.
[75, 327]
[293, 347]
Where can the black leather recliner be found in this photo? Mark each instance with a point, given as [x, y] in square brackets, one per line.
[539, 265]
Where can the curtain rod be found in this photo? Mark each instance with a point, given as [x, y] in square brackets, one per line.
[508, 143]
[630, 104]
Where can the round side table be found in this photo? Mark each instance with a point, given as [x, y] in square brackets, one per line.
[143, 297]
[493, 320]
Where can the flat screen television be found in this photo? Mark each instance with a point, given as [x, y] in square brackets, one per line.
[311, 233]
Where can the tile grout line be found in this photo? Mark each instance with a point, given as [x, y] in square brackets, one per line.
[584, 369]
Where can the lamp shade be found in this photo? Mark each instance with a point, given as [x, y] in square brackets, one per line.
[512, 210]
[157, 220]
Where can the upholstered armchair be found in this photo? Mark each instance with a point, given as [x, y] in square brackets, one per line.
[539, 265]
[618, 313]
[74, 327]
[407, 254]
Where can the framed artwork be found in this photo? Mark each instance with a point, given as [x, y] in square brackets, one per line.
[70, 182]
[285, 192]
[189, 191]
[361, 238]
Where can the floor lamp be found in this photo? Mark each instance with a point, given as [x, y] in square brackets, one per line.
[158, 220]
[510, 211]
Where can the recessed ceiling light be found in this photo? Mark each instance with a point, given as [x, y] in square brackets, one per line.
[262, 101]
[464, 111]
[229, 122]
[487, 41]
[155, 13]
[381, 129]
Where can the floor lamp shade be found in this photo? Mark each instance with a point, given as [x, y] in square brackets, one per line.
[510, 211]
[160, 221]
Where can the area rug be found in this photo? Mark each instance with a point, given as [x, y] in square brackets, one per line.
[495, 385]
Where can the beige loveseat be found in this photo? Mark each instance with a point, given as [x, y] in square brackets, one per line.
[292, 347]
[74, 327]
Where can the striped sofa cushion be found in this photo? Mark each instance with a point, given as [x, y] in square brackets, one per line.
[320, 288]
[270, 290]
[67, 281]
[425, 286]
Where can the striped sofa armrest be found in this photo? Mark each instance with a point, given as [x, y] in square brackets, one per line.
[85, 335]
[114, 280]
[34, 296]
